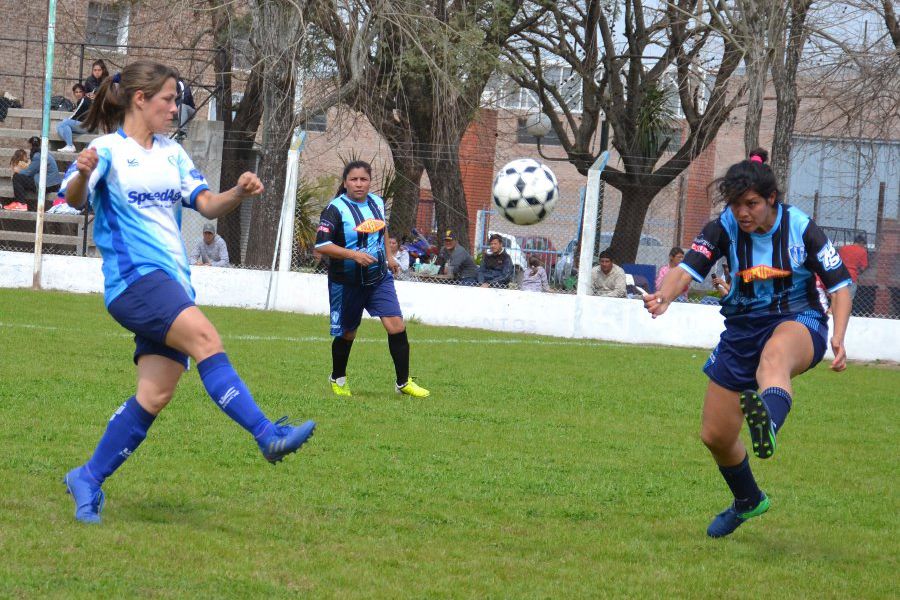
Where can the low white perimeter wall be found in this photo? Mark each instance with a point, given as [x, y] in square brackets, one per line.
[560, 315]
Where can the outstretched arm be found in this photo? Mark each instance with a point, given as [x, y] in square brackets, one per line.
[675, 281]
[213, 206]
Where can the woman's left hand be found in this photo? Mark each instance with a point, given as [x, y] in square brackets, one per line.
[840, 355]
[248, 184]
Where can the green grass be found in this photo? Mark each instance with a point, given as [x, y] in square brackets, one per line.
[536, 470]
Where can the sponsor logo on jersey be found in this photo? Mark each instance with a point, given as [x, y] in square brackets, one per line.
[196, 174]
[370, 226]
[829, 257]
[150, 199]
[132, 162]
[701, 248]
[762, 272]
[325, 226]
[798, 255]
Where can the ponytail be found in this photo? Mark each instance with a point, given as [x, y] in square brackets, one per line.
[113, 98]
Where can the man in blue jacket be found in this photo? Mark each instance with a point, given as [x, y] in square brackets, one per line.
[496, 268]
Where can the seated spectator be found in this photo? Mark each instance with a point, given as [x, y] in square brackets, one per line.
[607, 278]
[676, 255]
[27, 179]
[535, 277]
[99, 72]
[400, 255]
[67, 127]
[19, 160]
[455, 262]
[496, 268]
[211, 250]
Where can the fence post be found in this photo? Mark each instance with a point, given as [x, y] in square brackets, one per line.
[285, 239]
[589, 224]
[45, 145]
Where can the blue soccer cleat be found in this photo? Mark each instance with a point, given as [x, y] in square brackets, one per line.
[283, 438]
[759, 421]
[89, 498]
[730, 519]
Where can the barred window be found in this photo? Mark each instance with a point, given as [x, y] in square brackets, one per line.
[107, 24]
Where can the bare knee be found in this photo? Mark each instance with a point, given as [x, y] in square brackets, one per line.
[154, 400]
[717, 439]
[206, 343]
[349, 335]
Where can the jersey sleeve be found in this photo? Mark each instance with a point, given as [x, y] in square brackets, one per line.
[707, 248]
[329, 223]
[192, 180]
[99, 173]
[822, 258]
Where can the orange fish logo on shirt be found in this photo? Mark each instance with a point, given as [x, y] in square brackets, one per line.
[762, 272]
[370, 226]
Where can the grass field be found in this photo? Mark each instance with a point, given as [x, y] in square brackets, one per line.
[538, 468]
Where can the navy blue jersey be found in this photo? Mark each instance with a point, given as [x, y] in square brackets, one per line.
[355, 226]
[773, 272]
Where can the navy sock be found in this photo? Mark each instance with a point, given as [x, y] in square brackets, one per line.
[340, 354]
[399, 347]
[740, 479]
[126, 430]
[778, 401]
[224, 386]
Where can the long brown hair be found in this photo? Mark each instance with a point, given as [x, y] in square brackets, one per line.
[18, 156]
[113, 97]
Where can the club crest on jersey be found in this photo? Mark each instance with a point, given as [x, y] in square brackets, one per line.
[798, 255]
[370, 226]
[762, 272]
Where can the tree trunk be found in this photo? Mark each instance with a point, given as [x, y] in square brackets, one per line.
[636, 199]
[279, 24]
[405, 201]
[449, 196]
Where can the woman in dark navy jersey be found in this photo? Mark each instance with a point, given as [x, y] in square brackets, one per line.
[352, 233]
[775, 326]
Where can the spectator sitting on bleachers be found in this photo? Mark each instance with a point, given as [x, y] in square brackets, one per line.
[607, 278]
[67, 127]
[99, 72]
[496, 268]
[211, 250]
[535, 277]
[456, 263]
[400, 255]
[676, 255]
[27, 179]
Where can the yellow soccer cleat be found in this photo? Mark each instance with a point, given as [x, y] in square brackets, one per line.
[411, 388]
[338, 389]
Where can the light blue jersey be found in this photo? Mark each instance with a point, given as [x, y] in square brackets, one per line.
[137, 196]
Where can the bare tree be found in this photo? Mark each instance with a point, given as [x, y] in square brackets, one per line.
[623, 74]
[421, 84]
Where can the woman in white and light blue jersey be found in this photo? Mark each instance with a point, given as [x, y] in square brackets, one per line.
[137, 181]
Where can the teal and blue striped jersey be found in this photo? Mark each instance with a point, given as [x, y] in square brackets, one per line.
[773, 272]
[137, 195]
[355, 226]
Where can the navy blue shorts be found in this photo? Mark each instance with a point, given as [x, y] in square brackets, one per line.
[734, 360]
[348, 301]
[147, 308]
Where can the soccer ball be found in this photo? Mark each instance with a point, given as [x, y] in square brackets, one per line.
[525, 191]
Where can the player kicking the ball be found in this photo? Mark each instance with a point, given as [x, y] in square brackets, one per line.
[137, 182]
[775, 327]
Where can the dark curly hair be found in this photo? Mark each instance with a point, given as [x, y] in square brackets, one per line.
[752, 174]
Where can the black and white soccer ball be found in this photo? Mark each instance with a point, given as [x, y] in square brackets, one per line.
[525, 191]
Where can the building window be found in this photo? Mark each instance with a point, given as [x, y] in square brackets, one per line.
[107, 24]
[523, 137]
[317, 122]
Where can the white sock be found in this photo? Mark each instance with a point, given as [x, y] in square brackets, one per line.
[341, 381]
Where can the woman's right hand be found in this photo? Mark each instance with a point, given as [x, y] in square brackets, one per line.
[87, 161]
[363, 259]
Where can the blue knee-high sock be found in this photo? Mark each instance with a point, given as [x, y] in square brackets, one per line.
[224, 386]
[742, 484]
[126, 430]
[778, 401]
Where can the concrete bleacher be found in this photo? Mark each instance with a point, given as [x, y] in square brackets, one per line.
[23, 123]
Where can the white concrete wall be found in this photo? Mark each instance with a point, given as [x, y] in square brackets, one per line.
[561, 315]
